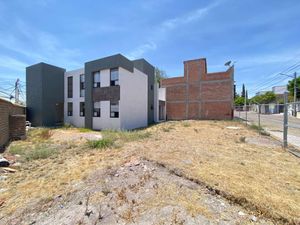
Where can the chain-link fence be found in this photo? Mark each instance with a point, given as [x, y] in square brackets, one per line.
[280, 120]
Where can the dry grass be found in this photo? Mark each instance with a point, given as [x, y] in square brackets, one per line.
[264, 179]
[53, 170]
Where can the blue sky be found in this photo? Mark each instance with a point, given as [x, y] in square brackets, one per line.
[263, 37]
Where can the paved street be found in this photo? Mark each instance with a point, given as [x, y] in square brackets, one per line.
[273, 123]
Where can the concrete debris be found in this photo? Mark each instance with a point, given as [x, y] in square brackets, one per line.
[253, 218]
[4, 162]
[233, 128]
[9, 170]
[242, 213]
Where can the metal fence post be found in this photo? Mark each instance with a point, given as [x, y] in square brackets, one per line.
[285, 120]
[246, 116]
[258, 115]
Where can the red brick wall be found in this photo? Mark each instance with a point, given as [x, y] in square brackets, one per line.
[199, 95]
[7, 109]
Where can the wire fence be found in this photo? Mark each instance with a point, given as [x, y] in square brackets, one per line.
[280, 120]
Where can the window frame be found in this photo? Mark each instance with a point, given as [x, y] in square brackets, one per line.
[82, 109]
[98, 84]
[70, 84]
[112, 82]
[68, 111]
[98, 112]
[81, 85]
[110, 104]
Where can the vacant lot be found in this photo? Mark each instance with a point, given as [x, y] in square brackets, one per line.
[189, 172]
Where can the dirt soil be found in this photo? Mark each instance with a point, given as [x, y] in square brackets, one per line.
[189, 172]
[137, 192]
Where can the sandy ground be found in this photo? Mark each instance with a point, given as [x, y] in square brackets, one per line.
[190, 172]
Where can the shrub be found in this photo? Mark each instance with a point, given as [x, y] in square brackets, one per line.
[40, 152]
[101, 144]
[186, 124]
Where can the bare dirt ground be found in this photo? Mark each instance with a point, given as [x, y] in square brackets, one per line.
[191, 172]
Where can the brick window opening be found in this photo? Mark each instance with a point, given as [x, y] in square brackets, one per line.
[114, 109]
[96, 76]
[70, 109]
[114, 77]
[97, 109]
[82, 109]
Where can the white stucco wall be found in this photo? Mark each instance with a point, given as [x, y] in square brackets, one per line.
[75, 120]
[104, 122]
[133, 99]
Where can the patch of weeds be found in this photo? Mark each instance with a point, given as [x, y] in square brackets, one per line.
[167, 129]
[186, 124]
[40, 152]
[125, 136]
[84, 130]
[17, 149]
[67, 126]
[33, 152]
[39, 134]
[101, 144]
[259, 129]
[256, 127]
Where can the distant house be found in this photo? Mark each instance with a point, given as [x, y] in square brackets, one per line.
[279, 90]
[12, 122]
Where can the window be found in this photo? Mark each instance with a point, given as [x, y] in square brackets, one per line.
[114, 109]
[151, 87]
[96, 76]
[70, 109]
[114, 77]
[81, 85]
[97, 110]
[82, 109]
[70, 87]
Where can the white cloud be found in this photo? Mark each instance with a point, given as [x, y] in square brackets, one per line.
[139, 51]
[12, 64]
[38, 45]
[167, 26]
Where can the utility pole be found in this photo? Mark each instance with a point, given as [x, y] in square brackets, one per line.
[295, 94]
[245, 104]
[17, 91]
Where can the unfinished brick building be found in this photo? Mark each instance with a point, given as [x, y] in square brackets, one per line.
[12, 122]
[199, 95]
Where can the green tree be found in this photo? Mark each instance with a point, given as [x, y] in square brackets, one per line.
[290, 87]
[239, 101]
[243, 94]
[266, 98]
[160, 74]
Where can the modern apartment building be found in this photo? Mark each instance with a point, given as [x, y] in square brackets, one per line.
[109, 93]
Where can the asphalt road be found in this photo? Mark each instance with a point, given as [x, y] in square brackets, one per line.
[273, 123]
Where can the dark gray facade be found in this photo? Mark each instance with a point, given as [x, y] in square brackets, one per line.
[45, 94]
[110, 62]
[147, 68]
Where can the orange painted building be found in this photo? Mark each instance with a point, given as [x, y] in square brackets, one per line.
[198, 94]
